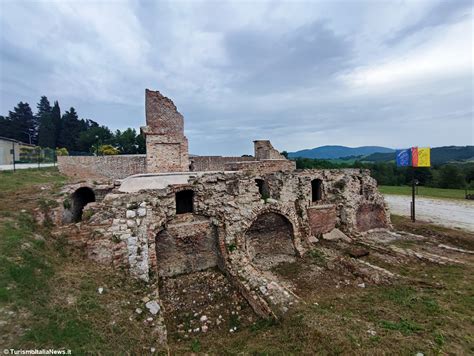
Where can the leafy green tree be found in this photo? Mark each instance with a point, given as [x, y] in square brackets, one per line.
[127, 141]
[450, 177]
[93, 137]
[141, 143]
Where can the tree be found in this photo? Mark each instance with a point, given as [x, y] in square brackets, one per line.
[92, 138]
[141, 143]
[450, 177]
[71, 128]
[46, 133]
[43, 111]
[6, 127]
[127, 141]
[20, 123]
[50, 123]
[56, 120]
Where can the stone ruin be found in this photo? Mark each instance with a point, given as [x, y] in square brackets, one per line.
[241, 215]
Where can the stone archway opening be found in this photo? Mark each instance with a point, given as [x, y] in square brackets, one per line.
[80, 198]
[269, 240]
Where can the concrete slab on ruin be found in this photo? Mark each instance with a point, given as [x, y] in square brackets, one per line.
[153, 181]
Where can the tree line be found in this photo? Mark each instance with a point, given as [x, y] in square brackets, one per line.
[454, 176]
[49, 128]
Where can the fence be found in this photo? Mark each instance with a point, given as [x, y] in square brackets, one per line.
[30, 157]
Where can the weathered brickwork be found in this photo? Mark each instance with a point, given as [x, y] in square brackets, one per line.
[101, 167]
[262, 167]
[370, 216]
[322, 219]
[215, 163]
[187, 245]
[166, 145]
[264, 150]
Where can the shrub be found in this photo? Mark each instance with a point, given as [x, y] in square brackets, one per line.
[107, 150]
[62, 151]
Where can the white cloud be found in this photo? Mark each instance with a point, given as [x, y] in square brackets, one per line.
[445, 54]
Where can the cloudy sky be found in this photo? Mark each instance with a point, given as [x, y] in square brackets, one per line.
[302, 74]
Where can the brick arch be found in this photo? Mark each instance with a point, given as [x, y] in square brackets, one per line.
[271, 236]
[288, 213]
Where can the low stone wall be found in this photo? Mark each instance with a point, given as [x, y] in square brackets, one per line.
[102, 167]
[215, 163]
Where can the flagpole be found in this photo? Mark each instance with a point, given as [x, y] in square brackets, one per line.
[413, 194]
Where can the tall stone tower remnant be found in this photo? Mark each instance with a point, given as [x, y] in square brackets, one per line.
[166, 145]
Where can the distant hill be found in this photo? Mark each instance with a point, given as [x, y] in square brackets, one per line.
[439, 155]
[335, 152]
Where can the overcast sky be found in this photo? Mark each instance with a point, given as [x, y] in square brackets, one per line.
[302, 74]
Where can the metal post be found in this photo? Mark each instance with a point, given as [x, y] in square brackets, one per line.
[13, 153]
[413, 195]
[39, 156]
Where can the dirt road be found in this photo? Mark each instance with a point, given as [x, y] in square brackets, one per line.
[450, 213]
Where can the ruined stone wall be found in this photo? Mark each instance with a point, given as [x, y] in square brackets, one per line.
[166, 145]
[101, 167]
[143, 232]
[262, 167]
[264, 150]
[215, 163]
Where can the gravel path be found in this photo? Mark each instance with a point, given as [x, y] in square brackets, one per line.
[450, 213]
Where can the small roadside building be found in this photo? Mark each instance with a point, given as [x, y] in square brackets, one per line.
[8, 146]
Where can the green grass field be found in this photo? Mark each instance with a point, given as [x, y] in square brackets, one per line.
[424, 192]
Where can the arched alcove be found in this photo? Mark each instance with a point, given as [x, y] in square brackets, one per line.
[79, 199]
[270, 239]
